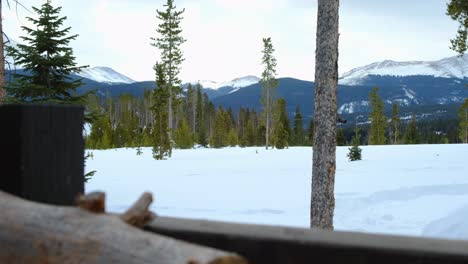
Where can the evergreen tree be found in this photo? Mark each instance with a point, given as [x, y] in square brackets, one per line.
[232, 138]
[411, 133]
[191, 107]
[458, 11]
[100, 136]
[298, 129]
[340, 138]
[463, 126]
[183, 136]
[139, 151]
[248, 138]
[168, 43]
[395, 125]
[355, 151]
[48, 60]
[269, 83]
[221, 130]
[282, 130]
[199, 124]
[378, 120]
[162, 146]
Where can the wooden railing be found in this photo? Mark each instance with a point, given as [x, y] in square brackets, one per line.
[271, 244]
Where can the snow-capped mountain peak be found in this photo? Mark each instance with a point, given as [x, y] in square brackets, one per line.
[104, 74]
[452, 67]
[236, 83]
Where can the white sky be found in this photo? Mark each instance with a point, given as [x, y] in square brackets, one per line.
[224, 37]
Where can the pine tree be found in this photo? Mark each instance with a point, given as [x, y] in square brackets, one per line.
[199, 124]
[355, 151]
[458, 11]
[282, 130]
[183, 136]
[100, 136]
[191, 113]
[298, 129]
[463, 119]
[340, 138]
[248, 139]
[232, 138]
[395, 125]
[411, 133]
[221, 130]
[168, 43]
[378, 120]
[162, 146]
[48, 60]
[139, 151]
[269, 83]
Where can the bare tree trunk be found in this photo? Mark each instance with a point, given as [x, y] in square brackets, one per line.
[2, 60]
[169, 114]
[326, 84]
[267, 134]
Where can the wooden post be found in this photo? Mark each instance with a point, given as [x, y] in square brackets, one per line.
[42, 152]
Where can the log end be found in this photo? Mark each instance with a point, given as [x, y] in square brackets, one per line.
[94, 202]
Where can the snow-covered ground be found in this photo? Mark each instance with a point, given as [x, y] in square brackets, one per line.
[406, 190]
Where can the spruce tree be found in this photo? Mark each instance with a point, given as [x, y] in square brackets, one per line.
[340, 137]
[298, 129]
[378, 120]
[168, 42]
[412, 134]
[47, 59]
[269, 83]
[199, 124]
[162, 146]
[458, 11]
[233, 140]
[355, 151]
[191, 113]
[395, 126]
[282, 130]
[183, 136]
[463, 119]
[221, 130]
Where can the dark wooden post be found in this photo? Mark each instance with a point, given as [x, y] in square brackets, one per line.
[42, 152]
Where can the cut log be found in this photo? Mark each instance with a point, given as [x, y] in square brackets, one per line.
[37, 233]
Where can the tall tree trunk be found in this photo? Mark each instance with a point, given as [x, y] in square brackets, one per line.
[2, 60]
[326, 83]
[268, 113]
[169, 114]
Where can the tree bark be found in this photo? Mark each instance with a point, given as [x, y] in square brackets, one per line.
[37, 233]
[2, 60]
[326, 84]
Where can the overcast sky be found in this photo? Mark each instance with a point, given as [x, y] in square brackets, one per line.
[224, 37]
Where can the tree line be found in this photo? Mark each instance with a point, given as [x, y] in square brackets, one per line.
[129, 121]
[391, 130]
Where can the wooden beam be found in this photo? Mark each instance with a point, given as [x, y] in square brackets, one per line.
[271, 244]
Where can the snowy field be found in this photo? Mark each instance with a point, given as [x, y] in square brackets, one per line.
[407, 190]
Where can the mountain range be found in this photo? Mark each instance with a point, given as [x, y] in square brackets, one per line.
[428, 89]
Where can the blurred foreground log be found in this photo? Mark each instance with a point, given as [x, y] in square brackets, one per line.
[37, 233]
